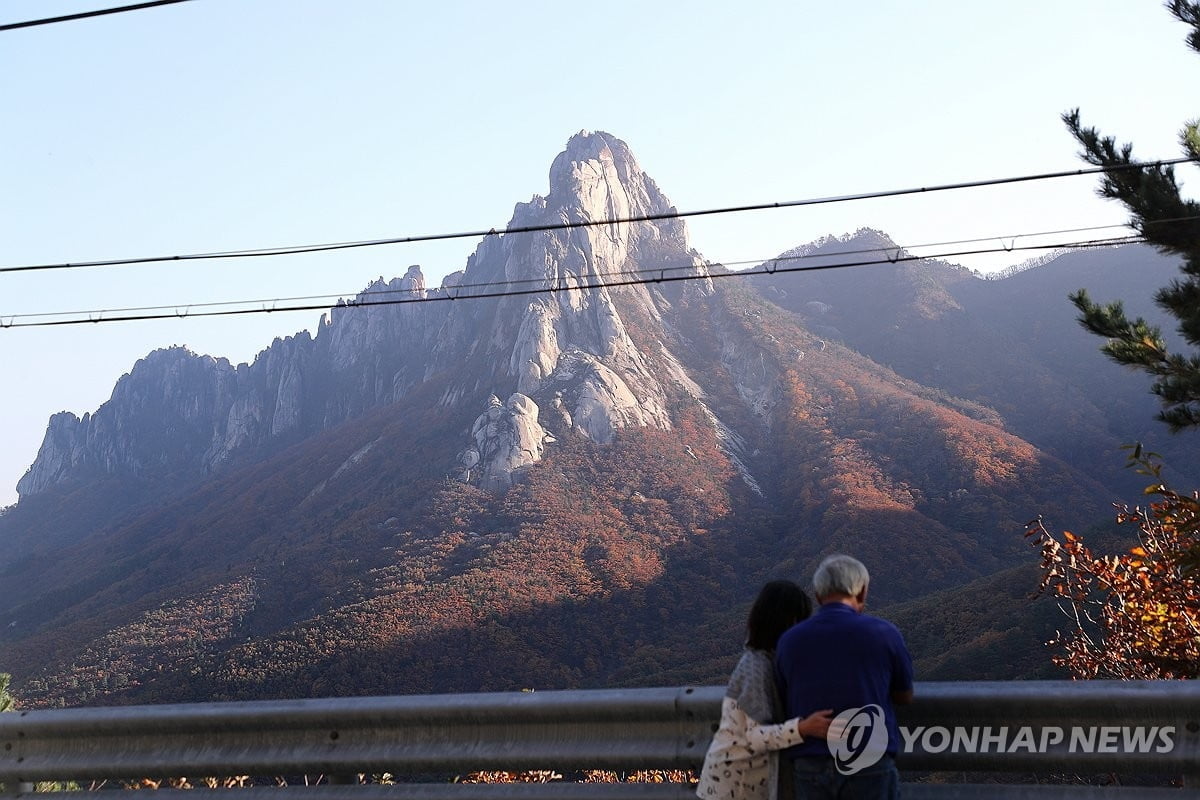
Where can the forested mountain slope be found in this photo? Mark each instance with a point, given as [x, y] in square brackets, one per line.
[580, 487]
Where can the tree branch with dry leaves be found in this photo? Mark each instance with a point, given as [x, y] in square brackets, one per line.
[1134, 615]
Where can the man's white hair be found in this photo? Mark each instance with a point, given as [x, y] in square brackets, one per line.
[840, 574]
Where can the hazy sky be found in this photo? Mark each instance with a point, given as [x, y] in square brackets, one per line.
[229, 124]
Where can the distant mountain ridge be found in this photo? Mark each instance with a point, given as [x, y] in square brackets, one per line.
[553, 489]
[1011, 344]
[188, 414]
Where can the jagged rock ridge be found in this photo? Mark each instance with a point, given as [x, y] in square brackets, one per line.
[568, 351]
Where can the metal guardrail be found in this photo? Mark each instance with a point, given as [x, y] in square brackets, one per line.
[1033, 727]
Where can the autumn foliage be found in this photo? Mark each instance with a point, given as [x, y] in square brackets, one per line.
[353, 564]
[1135, 615]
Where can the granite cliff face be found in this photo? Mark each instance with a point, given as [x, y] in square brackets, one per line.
[571, 347]
[568, 353]
[170, 396]
[506, 438]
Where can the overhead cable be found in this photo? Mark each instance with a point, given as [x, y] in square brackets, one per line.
[12, 26]
[330, 298]
[484, 291]
[588, 223]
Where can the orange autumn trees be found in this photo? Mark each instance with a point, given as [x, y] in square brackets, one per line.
[1135, 615]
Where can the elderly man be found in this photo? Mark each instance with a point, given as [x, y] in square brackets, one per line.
[858, 665]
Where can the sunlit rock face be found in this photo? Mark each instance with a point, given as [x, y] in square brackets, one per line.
[594, 354]
[571, 346]
[505, 439]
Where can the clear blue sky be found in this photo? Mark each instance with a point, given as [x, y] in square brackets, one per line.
[226, 124]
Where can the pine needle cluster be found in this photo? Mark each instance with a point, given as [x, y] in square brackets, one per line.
[1171, 223]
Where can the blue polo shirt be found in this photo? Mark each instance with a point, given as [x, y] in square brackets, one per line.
[840, 659]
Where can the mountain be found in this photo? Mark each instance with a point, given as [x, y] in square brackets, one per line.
[1011, 344]
[582, 484]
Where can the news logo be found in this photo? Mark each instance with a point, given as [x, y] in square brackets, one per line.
[857, 738]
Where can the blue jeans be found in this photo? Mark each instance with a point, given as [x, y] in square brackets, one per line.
[818, 779]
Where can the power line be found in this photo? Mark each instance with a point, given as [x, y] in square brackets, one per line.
[641, 277]
[330, 298]
[12, 26]
[557, 226]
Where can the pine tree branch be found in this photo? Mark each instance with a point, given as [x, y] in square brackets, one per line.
[1152, 194]
[1188, 13]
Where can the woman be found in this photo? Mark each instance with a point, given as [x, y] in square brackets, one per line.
[742, 762]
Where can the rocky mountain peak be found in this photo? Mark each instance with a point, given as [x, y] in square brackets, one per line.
[171, 393]
[868, 237]
[596, 178]
[568, 350]
[862, 239]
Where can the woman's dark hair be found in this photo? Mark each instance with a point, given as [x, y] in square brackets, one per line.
[779, 606]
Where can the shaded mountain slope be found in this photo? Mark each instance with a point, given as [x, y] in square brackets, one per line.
[579, 487]
[991, 629]
[1011, 344]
